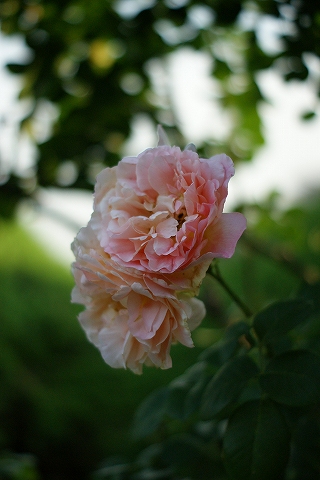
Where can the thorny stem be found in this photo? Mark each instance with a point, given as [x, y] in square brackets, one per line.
[215, 273]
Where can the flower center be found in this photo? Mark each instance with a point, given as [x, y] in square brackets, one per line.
[180, 217]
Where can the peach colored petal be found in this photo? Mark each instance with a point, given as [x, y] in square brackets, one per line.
[132, 318]
[157, 224]
[223, 236]
[160, 211]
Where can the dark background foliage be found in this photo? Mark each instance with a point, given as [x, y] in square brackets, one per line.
[64, 414]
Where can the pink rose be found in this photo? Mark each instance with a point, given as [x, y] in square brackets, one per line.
[133, 319]
[156, 226]
[162, 210]
[109, 327]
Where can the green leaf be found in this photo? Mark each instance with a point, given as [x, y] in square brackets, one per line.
[16, 68]
[228, 383]
[311, 293]
[219, 353]
[309, 115]
[188, 457]
[293, 378]
[281, 317]
[256, 443]
[194, 395]
[306, 447]
[150, 413]
[236, 330]
[18, 466]
[186, 390]
[175, 406]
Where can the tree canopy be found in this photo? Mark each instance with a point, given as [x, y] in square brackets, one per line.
[91, 62]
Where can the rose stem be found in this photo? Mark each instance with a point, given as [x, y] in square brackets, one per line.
[215, 273]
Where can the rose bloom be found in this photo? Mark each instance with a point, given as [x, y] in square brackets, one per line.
[156, 225]
[131, 318]
[162, 210]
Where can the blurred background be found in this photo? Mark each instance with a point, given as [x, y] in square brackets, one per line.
[84, 83]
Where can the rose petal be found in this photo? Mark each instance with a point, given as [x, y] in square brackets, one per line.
[167, 228]
[223, 236]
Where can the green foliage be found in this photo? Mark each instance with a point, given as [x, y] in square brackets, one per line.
[293, 378]
[249, 407]
[91, 61]
[272, 323]
[222, 351]
[227, 384]
[151, 412]
[257, 442]
[245, 407]
[249, 388]
[18, 467]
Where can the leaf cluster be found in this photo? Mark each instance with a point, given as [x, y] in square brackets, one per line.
[89, 62]
[239, 412]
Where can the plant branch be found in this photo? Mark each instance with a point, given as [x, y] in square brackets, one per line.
[215, 273]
